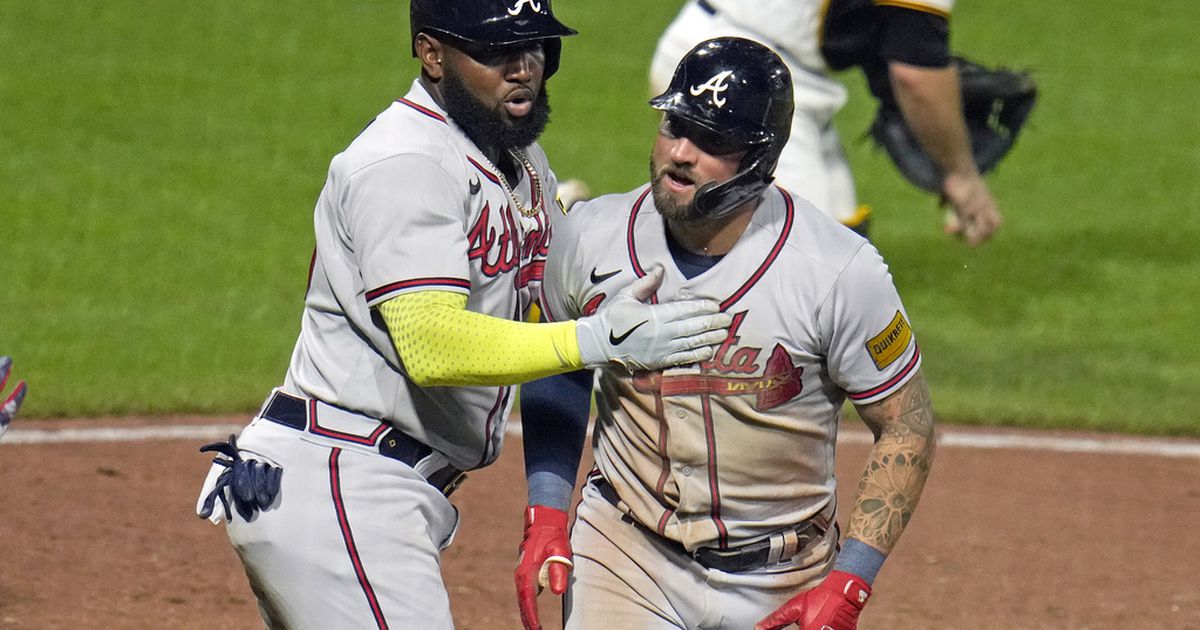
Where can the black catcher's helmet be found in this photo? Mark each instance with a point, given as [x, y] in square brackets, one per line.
[498, 22]
[741, 91]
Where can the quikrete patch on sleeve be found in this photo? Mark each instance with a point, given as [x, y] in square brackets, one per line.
[888, 345]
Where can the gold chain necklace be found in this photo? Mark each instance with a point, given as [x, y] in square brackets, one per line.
[535, 185]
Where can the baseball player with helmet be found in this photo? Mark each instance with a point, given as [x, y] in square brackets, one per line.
[903, 48]
[431, 235]
[8, 409]
[713, 500]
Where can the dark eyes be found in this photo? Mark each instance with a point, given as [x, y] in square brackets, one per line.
[490, 55]
[708, 141]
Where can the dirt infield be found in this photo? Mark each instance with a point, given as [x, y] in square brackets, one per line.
[102, 535]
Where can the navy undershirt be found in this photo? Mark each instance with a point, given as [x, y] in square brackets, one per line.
[690, 264]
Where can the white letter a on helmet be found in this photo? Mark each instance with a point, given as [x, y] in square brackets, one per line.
[533, 4]
[716, 85]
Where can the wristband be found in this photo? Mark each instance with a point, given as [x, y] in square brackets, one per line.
[860, 559]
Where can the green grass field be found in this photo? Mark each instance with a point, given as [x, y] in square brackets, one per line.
[161, 159]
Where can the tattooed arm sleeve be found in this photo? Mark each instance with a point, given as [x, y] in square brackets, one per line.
[897, 467]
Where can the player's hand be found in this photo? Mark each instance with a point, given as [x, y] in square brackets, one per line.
[975, 217]
[9, 408]
[545, 560]
[251, 484]
[641, 337]
[834, 604]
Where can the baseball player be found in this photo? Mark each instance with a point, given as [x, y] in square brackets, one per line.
[8, 410]
[713, 500]
[431, 234]
[903, 47]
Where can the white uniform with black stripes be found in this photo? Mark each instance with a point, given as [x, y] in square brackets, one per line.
[813, 164]
[410, 205]
[741, 447]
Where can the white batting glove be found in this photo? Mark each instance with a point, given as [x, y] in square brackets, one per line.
[641, 337]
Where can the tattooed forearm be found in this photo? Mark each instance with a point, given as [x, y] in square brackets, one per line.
[899, 463]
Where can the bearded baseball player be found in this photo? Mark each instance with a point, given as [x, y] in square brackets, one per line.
[902, 47]
[431, 235]
[713, 501]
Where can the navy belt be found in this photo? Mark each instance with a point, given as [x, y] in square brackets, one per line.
[391, 442]
[745, 557]
[706, 7]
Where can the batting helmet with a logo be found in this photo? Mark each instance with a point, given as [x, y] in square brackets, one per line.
[741, 91]
[496, 22]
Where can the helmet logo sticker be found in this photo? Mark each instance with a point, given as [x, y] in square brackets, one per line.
[716, 85]
[533, 4]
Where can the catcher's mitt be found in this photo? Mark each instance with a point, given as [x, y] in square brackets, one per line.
[996, 104]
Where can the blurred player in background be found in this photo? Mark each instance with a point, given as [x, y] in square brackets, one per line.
[903, 48]
[431, 233]
[8, 410]
[713, 503]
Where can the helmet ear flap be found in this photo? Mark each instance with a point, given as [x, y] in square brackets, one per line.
[713, 200]
[553, 50]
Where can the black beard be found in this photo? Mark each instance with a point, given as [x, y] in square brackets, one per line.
[485, 127]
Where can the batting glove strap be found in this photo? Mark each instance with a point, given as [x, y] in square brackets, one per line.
[835, 604]
[250, 484]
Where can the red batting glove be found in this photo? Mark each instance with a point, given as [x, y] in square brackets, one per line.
[545, 558]
[833, 604]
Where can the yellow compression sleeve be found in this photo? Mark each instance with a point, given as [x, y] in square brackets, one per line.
[442, 343]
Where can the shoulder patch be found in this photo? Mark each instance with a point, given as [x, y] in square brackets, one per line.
[890, 343]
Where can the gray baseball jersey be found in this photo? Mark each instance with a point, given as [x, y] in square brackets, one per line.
[742, 445]
[413, 205]
[410, 205]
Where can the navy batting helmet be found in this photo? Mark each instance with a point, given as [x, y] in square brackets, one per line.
[497, 22]
[741, 91]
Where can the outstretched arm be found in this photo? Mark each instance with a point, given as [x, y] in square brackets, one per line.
[442, 343]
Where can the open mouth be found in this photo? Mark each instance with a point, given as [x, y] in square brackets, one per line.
[519, 103]
[677, 180]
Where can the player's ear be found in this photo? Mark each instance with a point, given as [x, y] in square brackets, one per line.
[429, 50]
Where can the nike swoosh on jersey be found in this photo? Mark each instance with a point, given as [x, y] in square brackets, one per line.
[597, 278]
[619, 339]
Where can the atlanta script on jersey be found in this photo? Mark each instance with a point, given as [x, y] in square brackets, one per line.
[743, 444]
